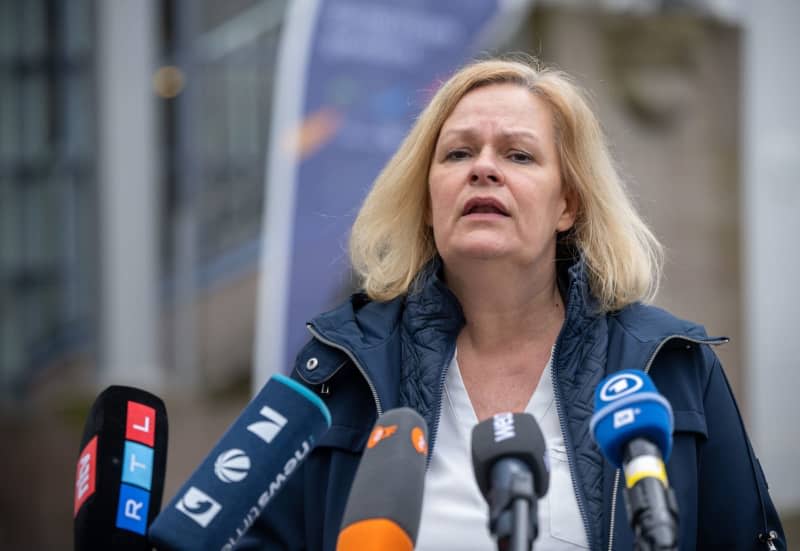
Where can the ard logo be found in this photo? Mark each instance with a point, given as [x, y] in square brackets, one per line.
[620, 385]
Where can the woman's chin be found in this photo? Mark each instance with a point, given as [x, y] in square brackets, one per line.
[478, 251]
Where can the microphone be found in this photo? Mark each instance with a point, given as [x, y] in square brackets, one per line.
[247, 467]
[385, 503]
[119, 478]
[509, 458]
[632, 425]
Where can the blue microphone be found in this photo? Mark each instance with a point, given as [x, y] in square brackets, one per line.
[245, 471]
[632, 424]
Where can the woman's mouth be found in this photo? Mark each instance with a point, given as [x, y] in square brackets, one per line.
[484, 205]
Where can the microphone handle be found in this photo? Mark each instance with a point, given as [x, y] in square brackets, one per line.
[652, 507]
[521, 539]
[513, 514]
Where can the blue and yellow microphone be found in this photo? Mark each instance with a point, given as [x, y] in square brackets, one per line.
[633, 425]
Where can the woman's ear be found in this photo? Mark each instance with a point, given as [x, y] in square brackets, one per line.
[570, 212]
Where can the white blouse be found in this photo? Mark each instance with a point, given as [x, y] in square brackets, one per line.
[454, 513]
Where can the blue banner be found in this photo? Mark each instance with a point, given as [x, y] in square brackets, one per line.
[372, 65]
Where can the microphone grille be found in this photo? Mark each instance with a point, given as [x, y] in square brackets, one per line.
[510, 435]
[389, 482]
[628, 405]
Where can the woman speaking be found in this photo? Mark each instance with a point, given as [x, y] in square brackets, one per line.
[503, 267]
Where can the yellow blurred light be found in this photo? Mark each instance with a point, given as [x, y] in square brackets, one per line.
[168, 81]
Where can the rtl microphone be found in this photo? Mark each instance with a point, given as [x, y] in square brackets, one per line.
[119, 479]
[632, 425]
[509, 457]
[246, 469]
[385, 503]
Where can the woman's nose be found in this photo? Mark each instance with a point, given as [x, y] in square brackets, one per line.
[485, 170]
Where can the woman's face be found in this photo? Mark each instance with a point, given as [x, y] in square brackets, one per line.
[495, 179]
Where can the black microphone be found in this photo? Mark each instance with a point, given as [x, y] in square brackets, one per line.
[509, 457]
[385, 503]
[245, 471]
[119, 479]
[632, 425]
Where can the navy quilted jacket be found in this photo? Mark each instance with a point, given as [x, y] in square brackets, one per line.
[374, 356]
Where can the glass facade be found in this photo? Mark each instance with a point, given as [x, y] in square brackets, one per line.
[213, 135]
[47, 186]
[227, 52]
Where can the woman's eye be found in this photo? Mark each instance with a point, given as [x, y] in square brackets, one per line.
[520, 157]
[456, 155]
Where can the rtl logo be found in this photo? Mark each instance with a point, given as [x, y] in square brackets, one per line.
[137, 468]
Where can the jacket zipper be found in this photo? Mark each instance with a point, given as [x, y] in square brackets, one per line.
[438, 414]
[646, 369]
[352, 357]
[568, 442]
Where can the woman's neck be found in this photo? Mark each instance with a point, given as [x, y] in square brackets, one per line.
[503, 305]
[513, 317]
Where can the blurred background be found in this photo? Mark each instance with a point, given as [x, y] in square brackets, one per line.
[154, 156]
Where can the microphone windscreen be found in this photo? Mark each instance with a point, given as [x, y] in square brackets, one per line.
[119, 479]
[385, 503]
[249, 465]
[505, 436]
[627, 405]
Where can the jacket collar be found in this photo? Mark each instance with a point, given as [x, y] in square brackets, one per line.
[374, 334]
[369, 332]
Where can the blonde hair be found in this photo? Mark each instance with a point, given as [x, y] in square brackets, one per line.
[391, 241]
